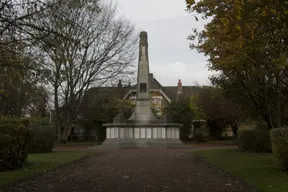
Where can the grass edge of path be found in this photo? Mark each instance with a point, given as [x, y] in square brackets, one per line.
[255, 170]
[38, 164]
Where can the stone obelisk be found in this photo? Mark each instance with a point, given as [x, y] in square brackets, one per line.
[142, 129]
[143, 112]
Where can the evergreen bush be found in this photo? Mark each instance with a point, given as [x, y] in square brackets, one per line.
[199, 136]
[14, 141]
[44, 135]
[279, 138]
[254, 141]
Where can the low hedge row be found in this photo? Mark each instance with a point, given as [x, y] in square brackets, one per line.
[199, 136]
[23, 121]
[44, 135]
[14, 140]
[254, 141]
[279, 138]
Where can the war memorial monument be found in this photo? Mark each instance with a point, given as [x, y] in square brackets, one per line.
[142, 129]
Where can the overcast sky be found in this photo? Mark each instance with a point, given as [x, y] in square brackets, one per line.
[168, 25]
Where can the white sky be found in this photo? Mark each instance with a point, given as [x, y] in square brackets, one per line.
[168, 26]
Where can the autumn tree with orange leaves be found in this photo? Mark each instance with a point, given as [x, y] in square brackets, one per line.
[247, 42]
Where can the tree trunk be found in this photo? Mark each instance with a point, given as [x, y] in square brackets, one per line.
[234, 129]
[67, 129]
[278, 114]
[58, 123]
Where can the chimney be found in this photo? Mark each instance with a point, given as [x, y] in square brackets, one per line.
[119, 83]
[179, 90]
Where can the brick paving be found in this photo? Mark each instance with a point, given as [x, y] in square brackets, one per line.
[135, 170]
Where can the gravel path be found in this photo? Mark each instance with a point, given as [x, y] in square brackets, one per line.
[138, 170]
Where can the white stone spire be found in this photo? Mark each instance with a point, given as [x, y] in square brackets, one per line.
[143, 112]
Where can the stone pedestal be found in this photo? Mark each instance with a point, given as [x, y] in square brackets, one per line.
[136, 135]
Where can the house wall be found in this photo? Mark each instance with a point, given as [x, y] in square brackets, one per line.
[228, 132]
[158, 101]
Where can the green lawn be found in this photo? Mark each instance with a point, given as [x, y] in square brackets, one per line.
[38, 163]
[259, 170]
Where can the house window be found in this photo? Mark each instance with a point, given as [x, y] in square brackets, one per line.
[143, 87]
[158, 101]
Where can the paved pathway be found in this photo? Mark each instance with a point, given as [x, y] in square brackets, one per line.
[140, 170]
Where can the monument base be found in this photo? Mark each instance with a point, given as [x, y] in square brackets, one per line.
[142, 143]
[136, 135]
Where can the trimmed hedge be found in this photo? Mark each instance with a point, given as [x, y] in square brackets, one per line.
[14, 141]
[44, 135]
[279, 138]
[25, 121]
[43, 140]
[254, 141]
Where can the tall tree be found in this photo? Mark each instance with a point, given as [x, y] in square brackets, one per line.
[39, 102]
[181, 112]
[18, 80]
[96, 110]
[17, 16]
[89, 48]
[219, 110]
[246, 41]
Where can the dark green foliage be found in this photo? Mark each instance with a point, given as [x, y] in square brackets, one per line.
[220, 111]
[261, 126]
[23, 121]
[106, 109]
[44, 135]
[44, 138]
[254, 141]
[14, 141]
[199, 137]
[215, 128]
[279, 138]
[181, 112]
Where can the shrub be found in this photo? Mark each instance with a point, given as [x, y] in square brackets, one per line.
[4, 120]
[26, 121]
[254, 141]
[43, 139]
[279, 138]
[43, 134]
[199, 136]
[14, 141]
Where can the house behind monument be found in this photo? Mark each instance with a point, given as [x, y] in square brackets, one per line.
[161, 96]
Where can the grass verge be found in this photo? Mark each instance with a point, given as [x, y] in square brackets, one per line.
[39, 163]
[259, 170]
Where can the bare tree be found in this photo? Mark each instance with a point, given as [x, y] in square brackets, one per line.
[15, 14]
[90, 47]
[18, 28]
